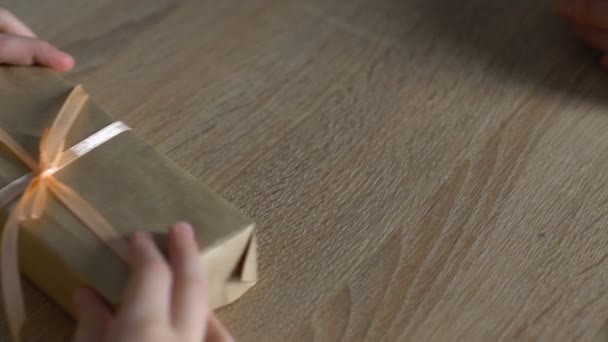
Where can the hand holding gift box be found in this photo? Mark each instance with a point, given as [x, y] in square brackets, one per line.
[77, 205]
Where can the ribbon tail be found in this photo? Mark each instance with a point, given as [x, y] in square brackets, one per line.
[9, 269]
[14, 147]
[14, 189]
[90, 217]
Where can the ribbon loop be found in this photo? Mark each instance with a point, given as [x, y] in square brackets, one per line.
[35, 189]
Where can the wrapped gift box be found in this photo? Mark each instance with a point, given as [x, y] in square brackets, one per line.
[129, 183]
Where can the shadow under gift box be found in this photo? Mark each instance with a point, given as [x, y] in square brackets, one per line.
[130, 184]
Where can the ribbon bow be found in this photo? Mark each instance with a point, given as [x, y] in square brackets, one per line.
[35, 188]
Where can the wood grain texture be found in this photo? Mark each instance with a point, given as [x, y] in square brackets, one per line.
[419, 169]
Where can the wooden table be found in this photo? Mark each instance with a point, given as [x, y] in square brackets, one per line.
[419, 169]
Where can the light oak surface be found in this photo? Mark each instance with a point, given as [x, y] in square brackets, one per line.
[419, 169]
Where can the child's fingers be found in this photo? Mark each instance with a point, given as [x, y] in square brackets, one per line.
[93, 317]
[190, 305]
[19, 50]
[148, 292]
[11, 24]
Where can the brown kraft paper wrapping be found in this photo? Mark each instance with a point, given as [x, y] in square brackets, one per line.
[130, 184]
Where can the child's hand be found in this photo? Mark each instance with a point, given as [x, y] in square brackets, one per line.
[20, 46]
[589, 19]
[164, 301]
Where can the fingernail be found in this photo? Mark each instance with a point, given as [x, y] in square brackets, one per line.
[68, 60]
[183, 230]
[64, 62]
[138, 247]
[67, 63]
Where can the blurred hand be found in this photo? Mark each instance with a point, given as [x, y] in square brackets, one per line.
[589, 19]
[20, 46]
[165, 301]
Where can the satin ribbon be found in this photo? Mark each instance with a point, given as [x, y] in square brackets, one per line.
[35, 189]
